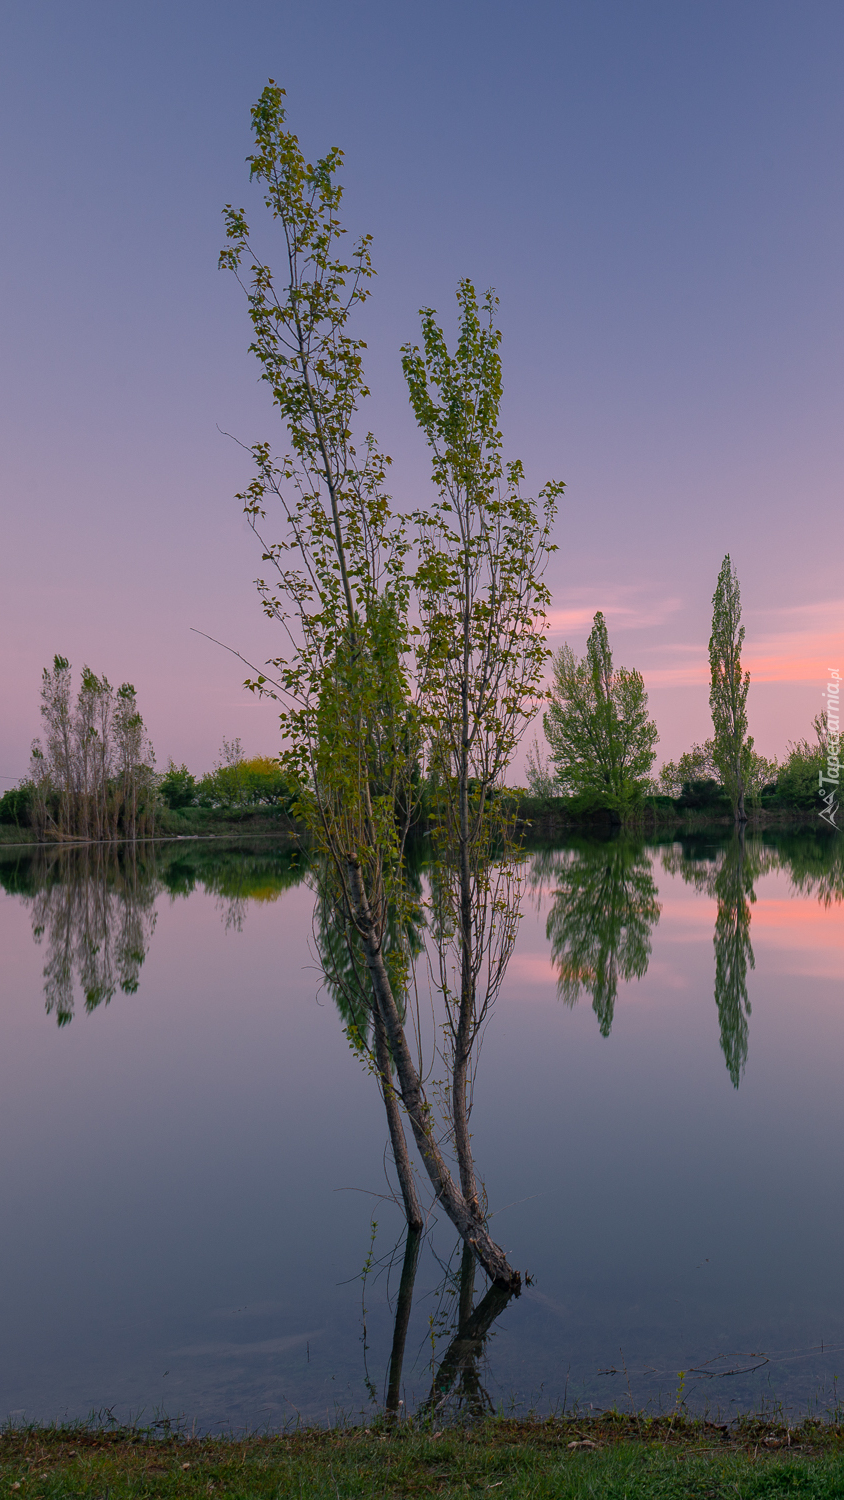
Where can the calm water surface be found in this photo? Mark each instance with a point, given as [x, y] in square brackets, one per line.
[193, 1159]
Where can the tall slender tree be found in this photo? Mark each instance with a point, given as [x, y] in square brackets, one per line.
[341, 594]
[732, 745]
[483, 546]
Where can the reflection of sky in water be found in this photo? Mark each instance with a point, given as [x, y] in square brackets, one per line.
[186, 1173]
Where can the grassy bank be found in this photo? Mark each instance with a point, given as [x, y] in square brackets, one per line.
[544, 817]
[611, 1456]
[223, 822]
[191, 822]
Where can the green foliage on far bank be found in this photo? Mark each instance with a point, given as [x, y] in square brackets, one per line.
[235, 782]
[798, 779]
[597, 724]
[15, 806]
[251, 790]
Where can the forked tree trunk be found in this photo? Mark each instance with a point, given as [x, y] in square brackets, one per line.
[470, 1228]
[460, 1108]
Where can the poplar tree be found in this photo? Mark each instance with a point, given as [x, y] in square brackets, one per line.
[732, 749]
[93, 776]
[340, 593]
[601, 736]
[482, 548]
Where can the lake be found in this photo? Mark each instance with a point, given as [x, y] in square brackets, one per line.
[194, 1170]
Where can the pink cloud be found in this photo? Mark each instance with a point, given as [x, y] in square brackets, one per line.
[619, 605]
[809, 640]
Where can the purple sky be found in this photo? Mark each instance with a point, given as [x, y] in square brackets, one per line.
[653, 188]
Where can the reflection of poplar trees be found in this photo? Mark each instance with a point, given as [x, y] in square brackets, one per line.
[95, 911]
[729, 878]
[94, 905]
[600, 923]
[734, 954]
[344, 966]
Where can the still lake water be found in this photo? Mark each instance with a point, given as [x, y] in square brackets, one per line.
[191, 1164]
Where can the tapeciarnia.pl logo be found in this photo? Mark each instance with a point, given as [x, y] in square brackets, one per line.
[833, 742]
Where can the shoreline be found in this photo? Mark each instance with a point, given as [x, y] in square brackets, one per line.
[534, 820]
[636, 1455]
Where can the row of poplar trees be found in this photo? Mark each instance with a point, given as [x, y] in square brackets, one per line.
[602, 738]
[92, 776]
[414, 645]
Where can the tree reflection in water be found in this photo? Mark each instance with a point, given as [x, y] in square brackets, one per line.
[601, 921]
[456, 1381]
[605, 908]
[93, 906]
[93, 910]
[457, 1378]
[815, 863]
[733, 953]
[728, 876]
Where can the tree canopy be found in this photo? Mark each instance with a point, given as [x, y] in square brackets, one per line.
[732, 745]
[601, 736]
[363, 693]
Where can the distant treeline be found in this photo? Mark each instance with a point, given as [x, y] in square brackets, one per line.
[601, 738]
[92, 776]
[235, 782]
[791, 782]
[692, 783]
[92, 773]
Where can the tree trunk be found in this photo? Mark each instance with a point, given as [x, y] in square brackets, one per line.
[463, 1034]
[471, 1230]
[466, 1347]
[403, 1306]
[412, 1211]
[466, 1297]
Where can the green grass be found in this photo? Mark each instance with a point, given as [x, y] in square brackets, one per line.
[11, 834]
[192, 822]
[631, 1458]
